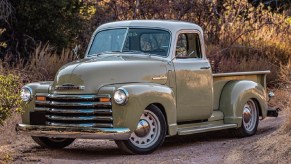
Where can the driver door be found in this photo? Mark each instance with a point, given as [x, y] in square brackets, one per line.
[194, 93]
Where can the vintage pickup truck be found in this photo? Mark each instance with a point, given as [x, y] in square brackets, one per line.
[139, 82]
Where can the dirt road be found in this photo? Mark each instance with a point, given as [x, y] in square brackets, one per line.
[214, 147]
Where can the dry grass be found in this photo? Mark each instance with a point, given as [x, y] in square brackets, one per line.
[42, 65]
[287, 126]
[7, 131]
[253, 39]
[45, 62]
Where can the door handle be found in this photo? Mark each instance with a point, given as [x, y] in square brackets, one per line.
[205, 67]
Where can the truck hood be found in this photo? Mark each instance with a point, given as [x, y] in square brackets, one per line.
[92, 73]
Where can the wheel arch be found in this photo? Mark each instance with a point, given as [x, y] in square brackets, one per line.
[141, 95]
[235, 94]
[259, 106]
[161, 107]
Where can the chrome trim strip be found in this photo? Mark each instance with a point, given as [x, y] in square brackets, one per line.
[73, 132]
[79, 118]
[69, 87]
[41, 109]
[77, 97]
[77, 104]
[73, 111]
[241, 73]
[88, 125]
[42, 102]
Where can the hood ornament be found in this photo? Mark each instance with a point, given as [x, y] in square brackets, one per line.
[69, 87]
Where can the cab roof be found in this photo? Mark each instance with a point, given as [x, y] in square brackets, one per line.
[170, 25]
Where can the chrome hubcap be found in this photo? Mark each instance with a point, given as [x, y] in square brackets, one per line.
[147, 132]
[250, 115]
[247, 115]
[143, 128]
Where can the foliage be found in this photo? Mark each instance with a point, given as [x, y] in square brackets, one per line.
[247, 32]
[9, 97]
[57, 21]
[3, 44]
[274, 4]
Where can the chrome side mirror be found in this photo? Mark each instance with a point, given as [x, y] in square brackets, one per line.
[271, 94]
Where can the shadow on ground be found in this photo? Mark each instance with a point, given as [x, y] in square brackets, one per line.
[173, 147]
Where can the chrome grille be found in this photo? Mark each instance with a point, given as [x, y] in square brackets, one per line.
[76, 110]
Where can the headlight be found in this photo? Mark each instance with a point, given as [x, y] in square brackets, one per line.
[25, 94]
[121, 96]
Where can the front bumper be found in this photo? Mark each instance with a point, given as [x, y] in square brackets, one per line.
[73, 132]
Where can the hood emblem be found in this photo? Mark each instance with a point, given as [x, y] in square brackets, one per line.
[162, 77]
[69, 87]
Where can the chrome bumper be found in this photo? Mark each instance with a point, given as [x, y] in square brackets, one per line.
[73, 132]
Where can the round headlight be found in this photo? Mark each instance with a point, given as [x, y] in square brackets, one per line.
[25, 94]
[121, 96]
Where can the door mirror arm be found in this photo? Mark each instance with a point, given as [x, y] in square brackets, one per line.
[75, 51]
[171, 61]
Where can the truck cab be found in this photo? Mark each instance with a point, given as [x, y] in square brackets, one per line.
[139, 82]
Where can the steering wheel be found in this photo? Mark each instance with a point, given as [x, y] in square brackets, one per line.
[191, 53]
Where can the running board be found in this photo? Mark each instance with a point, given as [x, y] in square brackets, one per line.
[204, 128]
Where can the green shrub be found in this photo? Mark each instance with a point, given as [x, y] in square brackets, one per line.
[10, 100]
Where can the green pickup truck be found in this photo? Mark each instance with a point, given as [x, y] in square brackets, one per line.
[139, 82]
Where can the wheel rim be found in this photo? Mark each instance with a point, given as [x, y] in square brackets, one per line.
[250, 115]
[147, 132]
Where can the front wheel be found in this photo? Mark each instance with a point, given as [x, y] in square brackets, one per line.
[54, 143]
[250, 120]
[149, 135]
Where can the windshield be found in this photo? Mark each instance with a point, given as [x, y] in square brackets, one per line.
[137, 40]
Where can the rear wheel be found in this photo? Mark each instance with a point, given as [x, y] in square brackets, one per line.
[149, 135]
[250, 120]
[54, 143]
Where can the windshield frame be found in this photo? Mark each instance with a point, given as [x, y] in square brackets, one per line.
[127, 29]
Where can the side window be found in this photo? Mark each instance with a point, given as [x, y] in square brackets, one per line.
[188, 46]
[155, 43]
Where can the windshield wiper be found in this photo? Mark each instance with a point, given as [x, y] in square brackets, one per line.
[132, 51]
[111, 52]
[103, 53]
[119, 52]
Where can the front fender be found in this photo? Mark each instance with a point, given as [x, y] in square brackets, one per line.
[38, 87]
[234, 96]
[140, 96]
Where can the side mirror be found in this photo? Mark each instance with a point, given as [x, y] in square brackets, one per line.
[76, 50]
[271, 95]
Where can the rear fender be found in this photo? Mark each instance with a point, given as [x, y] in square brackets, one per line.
[234, 96]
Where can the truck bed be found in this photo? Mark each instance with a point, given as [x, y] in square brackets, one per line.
[220, 79]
